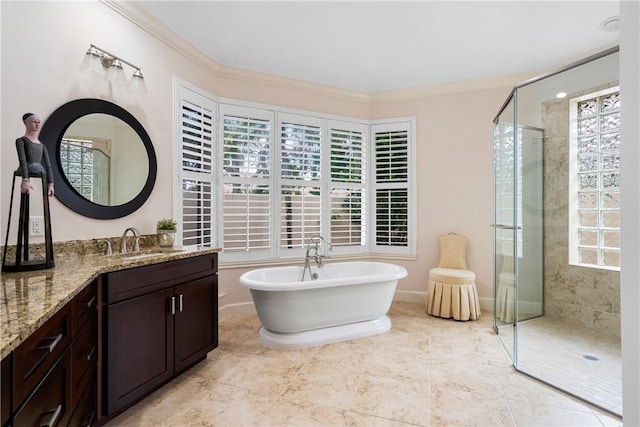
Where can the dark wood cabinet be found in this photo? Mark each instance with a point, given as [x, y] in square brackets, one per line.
[139, 348]
[120, 338]
[157, 325]
[46, 376]
[195, 336]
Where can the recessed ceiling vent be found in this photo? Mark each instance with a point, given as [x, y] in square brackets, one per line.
[611, 24]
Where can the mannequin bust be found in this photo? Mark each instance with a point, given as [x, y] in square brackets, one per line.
[33, 156]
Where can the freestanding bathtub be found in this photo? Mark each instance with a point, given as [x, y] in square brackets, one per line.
[348, 300]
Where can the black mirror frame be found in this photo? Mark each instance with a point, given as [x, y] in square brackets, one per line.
[51, 135]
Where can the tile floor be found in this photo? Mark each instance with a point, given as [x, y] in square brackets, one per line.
[554, 351]
[426, 371]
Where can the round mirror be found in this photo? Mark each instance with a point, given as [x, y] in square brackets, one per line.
[103, 162]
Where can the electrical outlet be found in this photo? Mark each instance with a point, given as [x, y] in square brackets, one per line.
[37, 226]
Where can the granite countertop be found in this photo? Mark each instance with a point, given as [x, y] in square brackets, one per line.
[28, 299]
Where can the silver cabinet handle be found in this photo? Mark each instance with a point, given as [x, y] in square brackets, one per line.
[90, 302]
[53, 418]
[90, 354]
[54, 343]
[173, 305]
[180, 303]
[506, 227]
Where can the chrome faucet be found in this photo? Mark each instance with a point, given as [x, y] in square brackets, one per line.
[123, 241]
[314, 243]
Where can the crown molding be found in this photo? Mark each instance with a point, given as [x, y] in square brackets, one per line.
[165, 35]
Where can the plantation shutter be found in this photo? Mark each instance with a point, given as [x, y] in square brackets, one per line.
[300, 173]
[347, 185]
[197, 130]
[247, 163]
[391, 151]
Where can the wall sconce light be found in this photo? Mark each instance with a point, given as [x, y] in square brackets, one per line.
[107, 64]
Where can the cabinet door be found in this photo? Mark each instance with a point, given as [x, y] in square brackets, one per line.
[196, 321]
[139, 348]
[50, 403]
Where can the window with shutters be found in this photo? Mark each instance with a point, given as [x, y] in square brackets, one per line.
[260, 180]
[247, 152]
[301, 141]
[595, 180]
[196, 152]
[392, 175]
[347, 186]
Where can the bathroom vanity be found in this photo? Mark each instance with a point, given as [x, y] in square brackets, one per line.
[83, 342]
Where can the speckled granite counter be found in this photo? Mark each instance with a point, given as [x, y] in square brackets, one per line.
[28, 299]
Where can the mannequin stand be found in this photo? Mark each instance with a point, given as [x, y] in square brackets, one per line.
[22, 262]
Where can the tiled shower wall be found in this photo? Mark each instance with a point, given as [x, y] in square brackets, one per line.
[588, 297]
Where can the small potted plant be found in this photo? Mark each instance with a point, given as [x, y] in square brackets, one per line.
[166, 230]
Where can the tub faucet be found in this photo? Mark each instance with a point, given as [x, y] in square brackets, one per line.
[136, 238]
[314, 243]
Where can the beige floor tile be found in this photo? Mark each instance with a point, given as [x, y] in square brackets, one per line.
[261, 373]
[452, 407]
[400, 364]
[289, 413]
[324, 384]
[392, 398]
[531, 413]
[465, 375]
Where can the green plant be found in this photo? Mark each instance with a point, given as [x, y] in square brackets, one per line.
[166, 224]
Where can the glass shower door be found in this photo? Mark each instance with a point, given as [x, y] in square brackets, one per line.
[504, 227]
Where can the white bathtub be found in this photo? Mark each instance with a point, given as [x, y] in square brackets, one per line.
[348, 300]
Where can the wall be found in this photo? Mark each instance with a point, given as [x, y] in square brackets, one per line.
[40, 71]
[630, 212]
[589, 297]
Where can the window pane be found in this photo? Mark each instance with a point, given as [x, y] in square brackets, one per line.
[300, 152]
[611, 258]
[247, 147]
[587, 108]
[391, 217]
[347, 225]
[347, 158]
[588, 163]
[588, 181]
[611, 239]
[588, 200]
[610, 200]
[588, 145]
[300, 215]
[588, 256]
[588, 218]
[247, 217]
[611, 219]
[391, 156]
[588, 237]
[196, 213]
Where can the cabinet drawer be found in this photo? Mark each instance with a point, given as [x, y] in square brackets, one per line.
[49, 405]
[84, 356]
[35, 356]
[82, 306]
[125, 284]
[86, 412]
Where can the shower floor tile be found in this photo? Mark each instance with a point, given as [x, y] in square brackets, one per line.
[426, 371]
[583, 362]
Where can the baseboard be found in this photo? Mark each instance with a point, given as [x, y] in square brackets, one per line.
[240, 309]
[410, 296]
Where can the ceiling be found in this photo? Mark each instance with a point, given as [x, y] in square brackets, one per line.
[379, 46]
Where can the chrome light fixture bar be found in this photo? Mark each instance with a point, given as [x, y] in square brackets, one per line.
[107, 64]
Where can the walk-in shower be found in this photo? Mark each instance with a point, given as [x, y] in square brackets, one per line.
[557, 229]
